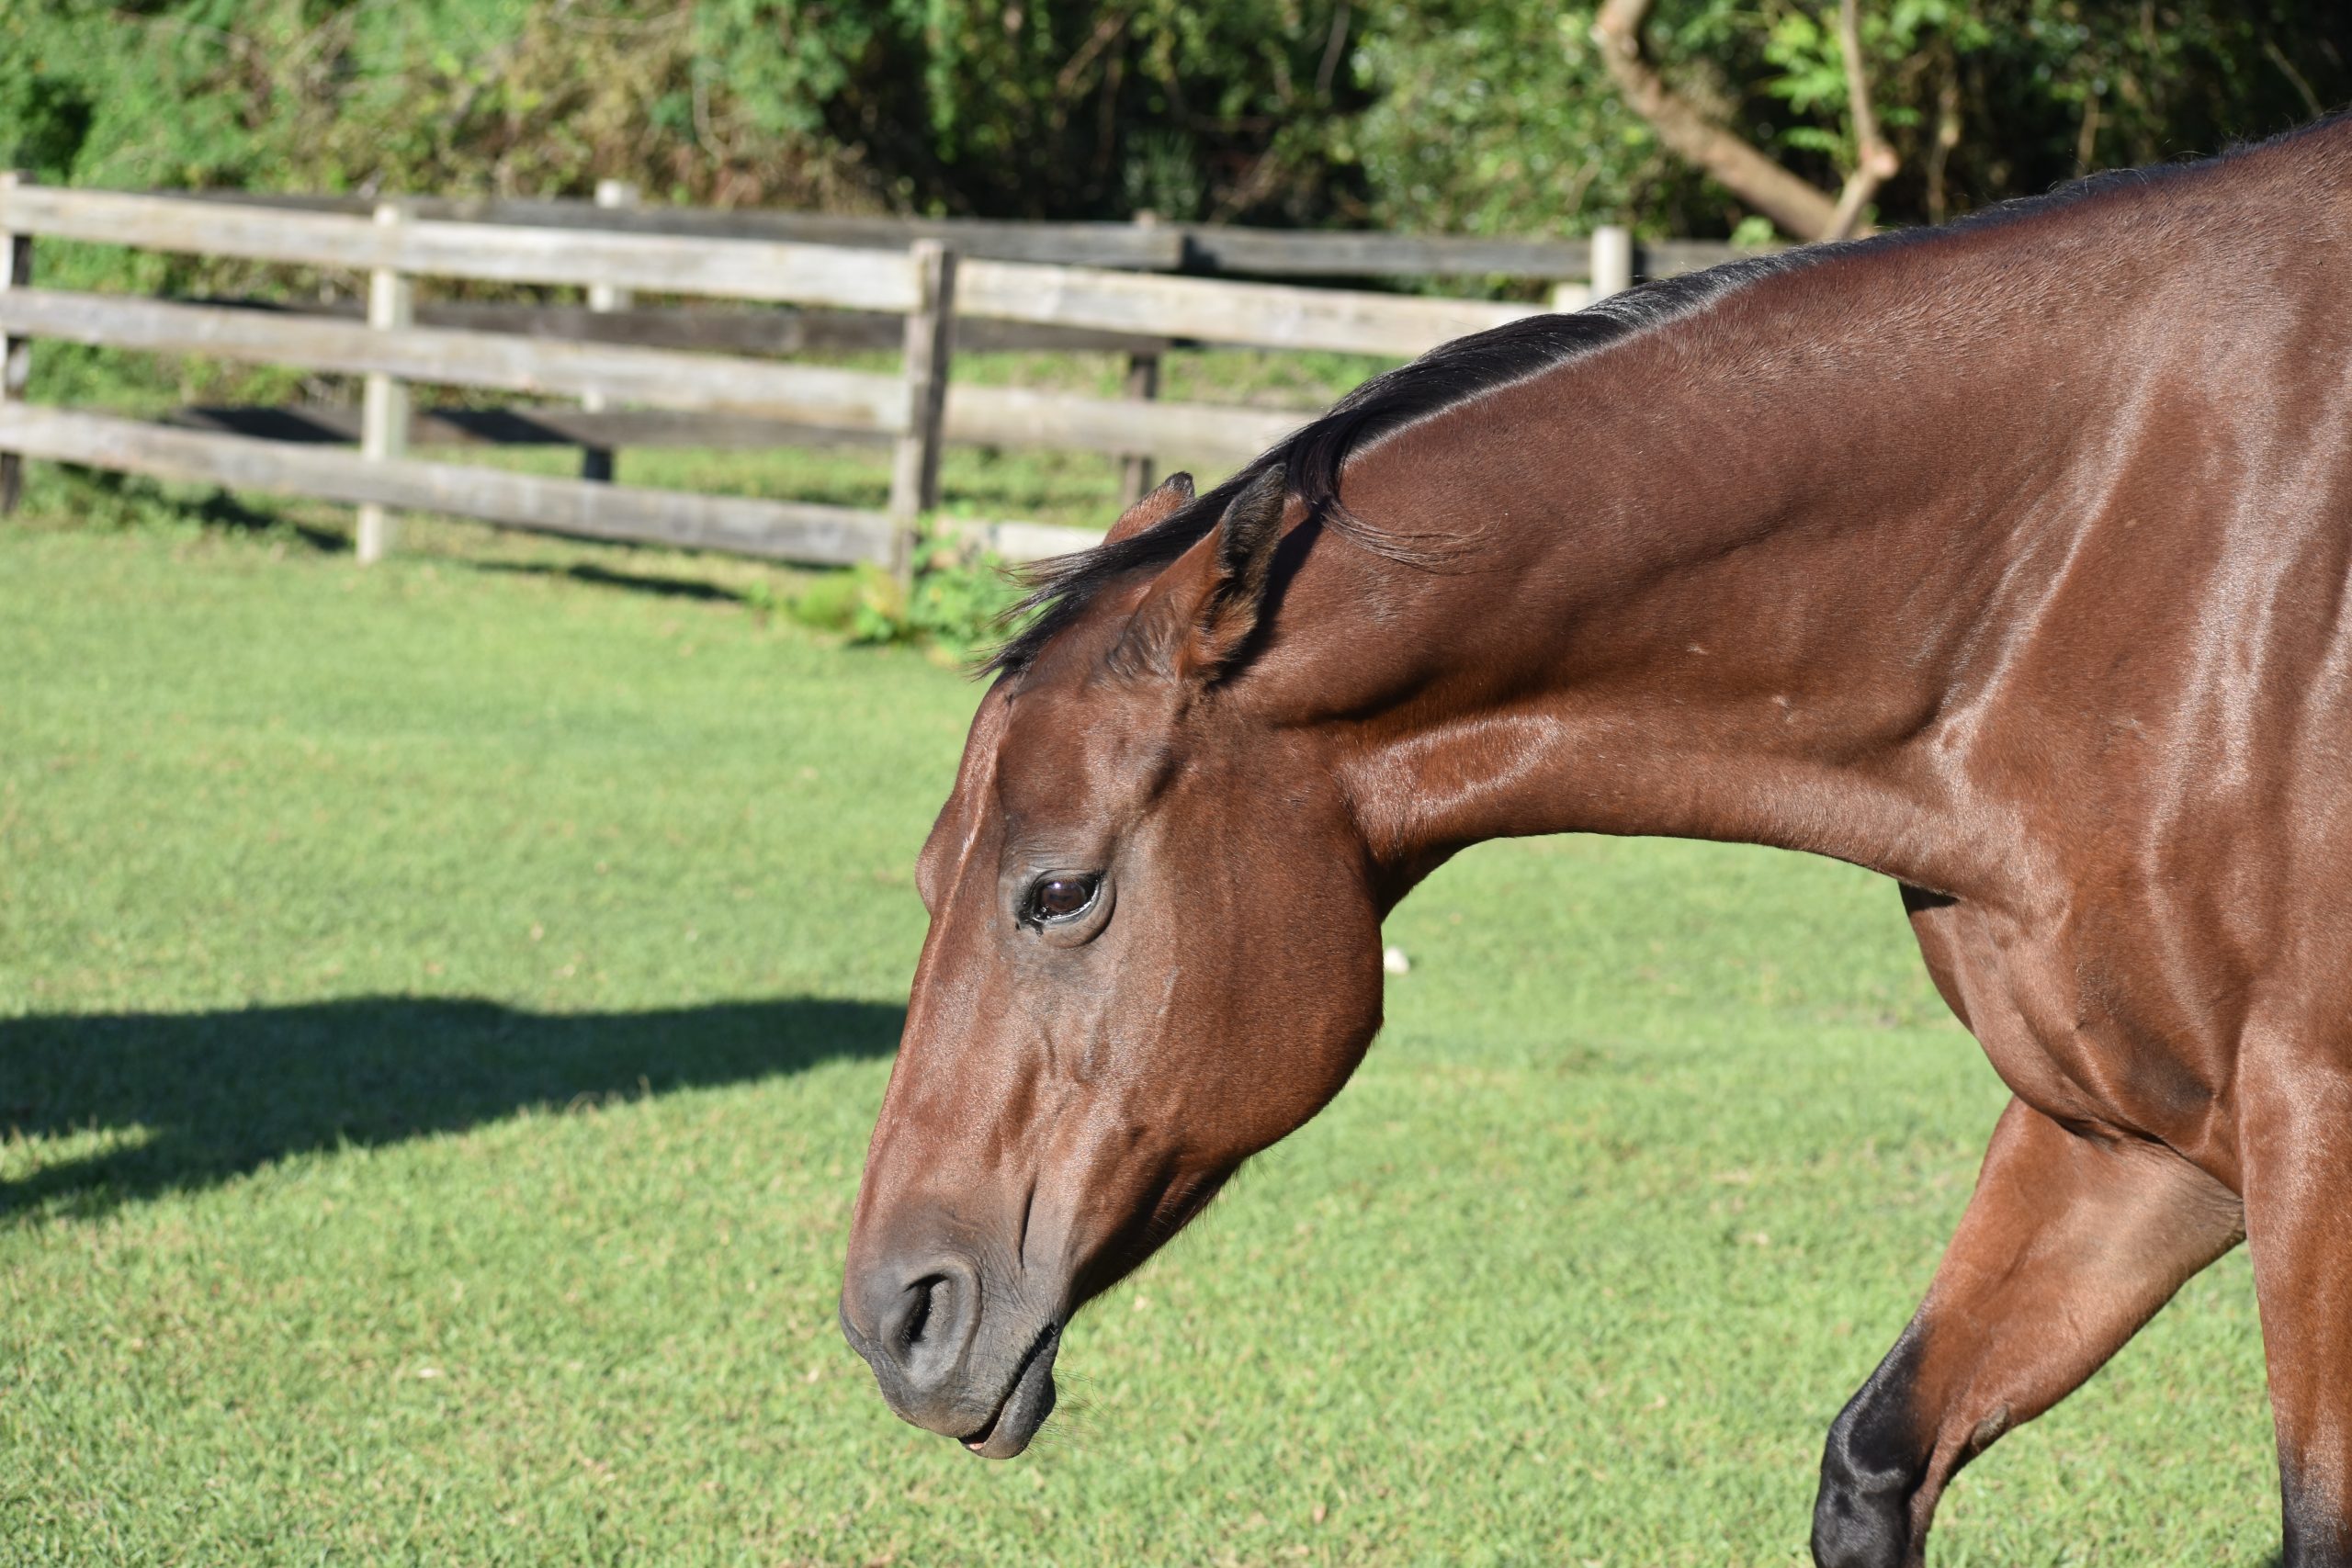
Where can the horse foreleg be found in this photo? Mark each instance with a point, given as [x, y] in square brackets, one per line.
[2296, 1131]
[2068, 1246]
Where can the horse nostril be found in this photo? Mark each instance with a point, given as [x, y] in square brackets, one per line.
[924, 1328]
[916, 1314]
[912, 1325]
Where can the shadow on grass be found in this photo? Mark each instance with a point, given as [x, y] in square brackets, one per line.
[128, 500]
[656, 583]
[204, 1097]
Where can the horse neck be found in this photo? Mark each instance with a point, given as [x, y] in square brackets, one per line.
[1715, 584]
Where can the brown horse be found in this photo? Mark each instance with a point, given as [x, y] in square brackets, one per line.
[2012, 559]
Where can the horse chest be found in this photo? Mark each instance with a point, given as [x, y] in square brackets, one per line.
[2065, 1044]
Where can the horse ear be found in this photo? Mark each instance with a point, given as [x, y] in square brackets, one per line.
[1199, 616]
[1173, 492]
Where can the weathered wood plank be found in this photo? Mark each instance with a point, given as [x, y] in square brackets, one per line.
[975, 416]
[1074, 245]
[1666, 258]
[1017, 541]
[596, 462]
[736, 269]
[1612, 262]
[1199, 247]
[15, 351]
[928, 357]
[1018, 416]
[1134, 468]
[535, 424]
[720, 329]
[1270, 252]
[1267, 315]
[807, 395]
[1277, 252]
[782, 530]
[1077, 244]
[384, 409]
[1271, 315]
[801, 393]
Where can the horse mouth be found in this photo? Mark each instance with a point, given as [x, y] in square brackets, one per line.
[1028, 1400]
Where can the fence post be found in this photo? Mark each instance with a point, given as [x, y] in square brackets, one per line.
[596, 462]
[930, 344]
[1612, 261]
[383, 409]
[1143, 386]
[16, 352]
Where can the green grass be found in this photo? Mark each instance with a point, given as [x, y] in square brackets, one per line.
[442, 1008]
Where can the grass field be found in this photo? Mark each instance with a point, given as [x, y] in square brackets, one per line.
[442, 1008]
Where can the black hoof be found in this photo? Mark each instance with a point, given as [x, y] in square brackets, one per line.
[1860, 1519]
[2318, 1533]
[1871, 1466]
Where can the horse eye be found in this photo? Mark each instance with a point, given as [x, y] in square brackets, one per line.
[1059, 898]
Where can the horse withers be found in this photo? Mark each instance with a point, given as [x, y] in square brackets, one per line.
[2012, 559]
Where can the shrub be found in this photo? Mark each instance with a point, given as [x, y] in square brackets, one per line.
[957, 604]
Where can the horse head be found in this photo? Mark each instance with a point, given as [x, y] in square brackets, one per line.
[1154, 950]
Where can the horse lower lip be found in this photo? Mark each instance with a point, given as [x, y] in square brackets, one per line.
[1026, 1399]
[979, 1440]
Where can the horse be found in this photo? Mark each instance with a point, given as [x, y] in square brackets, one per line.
[2010, 558]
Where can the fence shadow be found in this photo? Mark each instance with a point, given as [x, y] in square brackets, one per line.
[214, 1095]
[660, 585]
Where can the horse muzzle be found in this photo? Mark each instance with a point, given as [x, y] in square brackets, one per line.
[951, 1355]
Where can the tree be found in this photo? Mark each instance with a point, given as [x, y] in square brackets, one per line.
[1981, 95]
[1692, 117]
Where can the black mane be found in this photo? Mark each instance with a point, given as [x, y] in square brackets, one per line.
[1311, 456]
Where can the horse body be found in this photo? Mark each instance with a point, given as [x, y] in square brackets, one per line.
[2009, 559]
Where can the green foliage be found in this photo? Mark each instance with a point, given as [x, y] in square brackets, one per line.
[1488, 115]
[860, 603]
[442, 1012]
[1493, 118]
[956, 605]
[961, 594]
[500, 97]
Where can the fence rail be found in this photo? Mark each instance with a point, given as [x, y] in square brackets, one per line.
[782, 530]
[1264, 315]
[1155, 247]
[817, 395]
[658, 374]
[481, 253]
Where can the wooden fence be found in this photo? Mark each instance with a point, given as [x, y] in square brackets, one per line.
[648, 376]
[1146, 244]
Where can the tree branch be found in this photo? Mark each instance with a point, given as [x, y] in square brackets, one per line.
[1794, 204]
[1685, 129]
[1874, 161]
